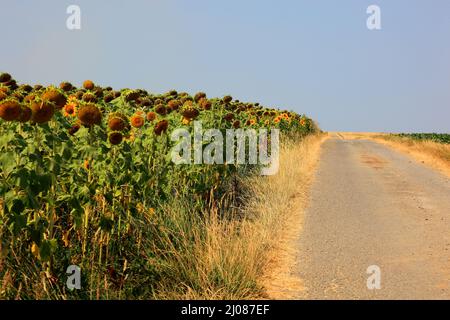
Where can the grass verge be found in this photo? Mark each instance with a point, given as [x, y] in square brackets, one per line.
[247, 257]
[433, 154]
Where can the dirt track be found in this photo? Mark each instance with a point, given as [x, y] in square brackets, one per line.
[373, 206]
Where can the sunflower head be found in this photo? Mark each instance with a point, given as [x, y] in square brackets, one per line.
[65, 86]
[117, 122]
[174, 104]
[137, 120]
[131, 96]
[88, 85]
[227, 99]
[5, 77]
[228, 117]
[115, 137]
[42, 111]
[70, 109]
[190, 112]
[89, 97]
[89, 115]
[151, 116]
[161, 109]
[185, 121]
[55, 96]
[199, 95]
[108, 98]
[74, 129]
[237, 124]
[145, 102]
[25, 115]
[205, 104]
[10, 110]
[161, 127]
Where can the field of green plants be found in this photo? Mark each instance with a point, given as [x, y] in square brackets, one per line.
[87, 179]
[436, 137]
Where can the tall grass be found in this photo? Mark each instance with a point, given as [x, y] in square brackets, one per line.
[232, 258]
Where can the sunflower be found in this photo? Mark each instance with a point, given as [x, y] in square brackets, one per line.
[10, 110]
[89, 115]
[108, 98]
[277, 120]
[25, 115]
[190, 113]
[74, 129]
[115, 137]
[29, 98]
[228, 117]
[185, 120]
[161, 109]
[42, 111]
[131, 96]
[173, 104]
[161, 127]
[26, 87]
[65, 86]
[199, 96]
[116, 122]
[89, 97]
[5, 77]
[237, 124]
[12, 84]
[151, 116]
[130, 137]
[205, 104]
[137, 120]
[88, 84]
[53, 95]
[227, 99]
[86, 164]
[145, 102]
[70, 109]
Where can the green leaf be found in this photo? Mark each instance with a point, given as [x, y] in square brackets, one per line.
[7, 162]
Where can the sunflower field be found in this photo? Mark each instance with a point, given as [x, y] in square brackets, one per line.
[435, 137]
[86, 178]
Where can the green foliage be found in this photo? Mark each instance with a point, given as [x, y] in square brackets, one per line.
[436, 137]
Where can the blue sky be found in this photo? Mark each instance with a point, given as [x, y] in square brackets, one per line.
[312, 56]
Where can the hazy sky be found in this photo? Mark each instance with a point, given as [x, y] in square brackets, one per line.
[312, 56]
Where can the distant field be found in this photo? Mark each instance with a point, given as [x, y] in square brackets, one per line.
[436, 137]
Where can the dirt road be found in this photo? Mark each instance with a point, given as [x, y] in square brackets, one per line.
[373, 206]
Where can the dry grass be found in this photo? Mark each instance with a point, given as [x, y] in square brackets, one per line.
[249, 258]
[282, 201]
[430, 153]
[433, 154]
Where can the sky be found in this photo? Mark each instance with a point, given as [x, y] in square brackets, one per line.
[311, 56]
